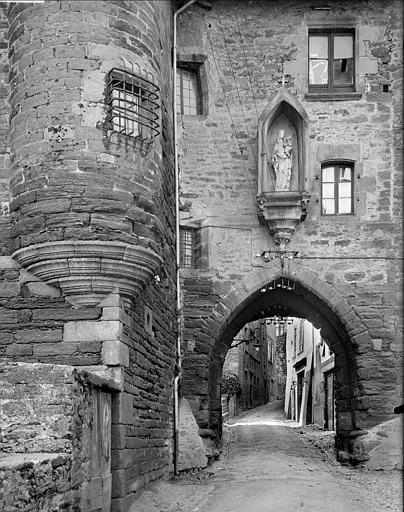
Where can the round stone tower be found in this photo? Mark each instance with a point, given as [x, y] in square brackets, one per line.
[92, 152]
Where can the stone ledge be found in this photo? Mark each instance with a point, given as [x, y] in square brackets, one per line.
[88, 271]
[18, 461]
[103, 376]
[345, 96]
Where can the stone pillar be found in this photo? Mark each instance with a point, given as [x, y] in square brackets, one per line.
[88, 204]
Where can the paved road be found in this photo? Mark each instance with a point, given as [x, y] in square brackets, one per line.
[270, 468]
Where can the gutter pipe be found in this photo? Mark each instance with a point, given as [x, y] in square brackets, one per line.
[177, 243]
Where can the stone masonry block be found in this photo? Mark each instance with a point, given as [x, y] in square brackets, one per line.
[115, 353]
[118, 483]
[9, 289]
[118, 437]
[42, 290]
[19, 350]
[122, 408]
[6, 262]
[369, 65]
[118, 505]
[92, 331]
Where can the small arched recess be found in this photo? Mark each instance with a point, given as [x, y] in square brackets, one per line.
[283, 112]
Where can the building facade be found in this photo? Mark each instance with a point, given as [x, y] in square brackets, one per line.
[309, 396]
[288, 144]
[251, 358]
[291, 176]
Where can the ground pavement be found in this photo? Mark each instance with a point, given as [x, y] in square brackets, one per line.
[269, 467]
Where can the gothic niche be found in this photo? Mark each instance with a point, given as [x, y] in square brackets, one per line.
[282, 200]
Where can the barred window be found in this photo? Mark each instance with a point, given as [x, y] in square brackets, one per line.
[132, 105]
[187, 247]
[190, 246]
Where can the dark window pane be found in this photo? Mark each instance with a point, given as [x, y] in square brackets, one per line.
[343, 72]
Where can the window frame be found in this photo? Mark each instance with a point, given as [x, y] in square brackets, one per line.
[189, 259]
[132, 105]
[331, 88]
[338, 164]
[194, 69]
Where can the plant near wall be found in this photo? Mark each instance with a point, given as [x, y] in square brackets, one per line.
[231, 384]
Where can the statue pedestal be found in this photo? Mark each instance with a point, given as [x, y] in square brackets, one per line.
[282, 212]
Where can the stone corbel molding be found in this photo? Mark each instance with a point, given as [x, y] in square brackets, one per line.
[87, 270]
[281, 212]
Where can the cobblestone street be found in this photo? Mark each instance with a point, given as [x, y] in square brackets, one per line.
[268, 466]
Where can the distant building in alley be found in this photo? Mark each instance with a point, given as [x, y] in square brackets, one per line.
[257, 358]
[309, 394]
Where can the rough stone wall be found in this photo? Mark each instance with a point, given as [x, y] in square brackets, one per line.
[357, 256]
[46, 423]
[142, 415]
[4, 132]
[38, 325]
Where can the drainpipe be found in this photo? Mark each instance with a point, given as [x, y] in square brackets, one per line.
[177, 242]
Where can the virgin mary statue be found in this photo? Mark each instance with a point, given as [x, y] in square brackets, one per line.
[282, 161]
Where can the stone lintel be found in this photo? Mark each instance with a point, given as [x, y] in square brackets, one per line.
[103, 376]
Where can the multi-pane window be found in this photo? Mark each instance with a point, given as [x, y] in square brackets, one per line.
[132, 105]
[331, 61]
[337, 189]
[187, 247]
[188, 92]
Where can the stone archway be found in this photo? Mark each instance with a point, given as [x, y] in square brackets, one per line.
[312, 298]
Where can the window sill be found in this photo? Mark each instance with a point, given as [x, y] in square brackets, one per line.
[337, 215]
[329, 96]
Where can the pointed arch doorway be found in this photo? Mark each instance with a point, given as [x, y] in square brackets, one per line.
[310, 298]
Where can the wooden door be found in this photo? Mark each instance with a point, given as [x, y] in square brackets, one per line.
[100, 483]
[329, 401]
[300, 382]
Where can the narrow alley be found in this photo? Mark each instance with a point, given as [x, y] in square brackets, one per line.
[269, 466]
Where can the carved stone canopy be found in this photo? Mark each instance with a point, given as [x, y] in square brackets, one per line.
[282, 144]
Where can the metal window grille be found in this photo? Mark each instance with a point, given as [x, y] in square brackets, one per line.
[187, 248]
[132, 105]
